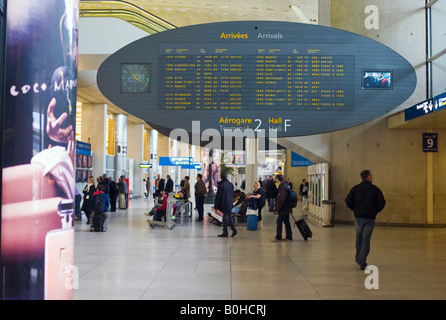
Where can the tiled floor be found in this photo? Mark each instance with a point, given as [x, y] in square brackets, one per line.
[189, 262]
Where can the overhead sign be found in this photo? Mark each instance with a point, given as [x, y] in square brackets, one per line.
[419, 109]
[298, 161]
[262, 77]
[440, 101]
[197, 165]
[83, 148]
[176, 161]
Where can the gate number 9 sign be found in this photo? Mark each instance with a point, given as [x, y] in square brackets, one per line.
[430, 142]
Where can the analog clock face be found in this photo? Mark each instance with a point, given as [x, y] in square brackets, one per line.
[135, 78]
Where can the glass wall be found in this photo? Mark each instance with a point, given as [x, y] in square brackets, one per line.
[436, 15]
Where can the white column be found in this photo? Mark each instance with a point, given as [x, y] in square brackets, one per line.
[121, 146]
[251, 164]
[94, 127]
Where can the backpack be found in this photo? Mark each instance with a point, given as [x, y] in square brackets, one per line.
[98, 203]
[291, 199]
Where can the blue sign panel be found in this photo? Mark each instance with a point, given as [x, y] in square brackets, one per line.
[419, 109]
[298, 161]
[176, 161]
[440, 101]
[83, 148]
[430, 142]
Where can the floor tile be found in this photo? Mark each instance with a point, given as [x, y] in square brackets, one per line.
[190, 262]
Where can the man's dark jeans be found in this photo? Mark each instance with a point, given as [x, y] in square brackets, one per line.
[200, 206]
[285, 219]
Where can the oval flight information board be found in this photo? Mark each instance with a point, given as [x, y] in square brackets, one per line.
[295, 79]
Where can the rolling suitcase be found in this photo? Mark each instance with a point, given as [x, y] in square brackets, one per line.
[303, 227]
[251, 222]
[97, 222]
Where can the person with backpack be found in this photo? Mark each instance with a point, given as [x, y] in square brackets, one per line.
[100, 217]
[282, 209]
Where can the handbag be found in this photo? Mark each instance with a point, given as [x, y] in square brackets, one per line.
[251, 212]
[253, 203]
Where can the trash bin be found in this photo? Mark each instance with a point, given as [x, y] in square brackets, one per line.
[328, 213]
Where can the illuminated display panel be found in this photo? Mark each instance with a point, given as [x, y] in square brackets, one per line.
[254, 77]
[266, 77]
[376, 79]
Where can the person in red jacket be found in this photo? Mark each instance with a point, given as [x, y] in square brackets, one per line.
[161, 211]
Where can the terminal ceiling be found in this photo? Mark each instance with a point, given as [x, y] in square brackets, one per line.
[158, 15]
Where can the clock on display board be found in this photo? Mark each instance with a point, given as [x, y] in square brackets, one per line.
[135, 78]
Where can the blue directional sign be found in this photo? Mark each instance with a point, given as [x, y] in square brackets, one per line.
[419, 109]
[298, 161]
[440, 101]
[176, 161]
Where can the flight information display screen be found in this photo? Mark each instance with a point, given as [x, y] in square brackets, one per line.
[285, 77]
[264, 77]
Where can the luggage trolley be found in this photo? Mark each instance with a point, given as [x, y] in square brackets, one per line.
[169, 219]
[185, 212]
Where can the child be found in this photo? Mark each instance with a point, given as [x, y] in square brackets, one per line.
[100, 210]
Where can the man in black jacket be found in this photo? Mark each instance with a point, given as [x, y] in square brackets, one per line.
[365, 200]
[223, 202]
[169, 185]
[271, 193]
[282, 210]
[200, 192]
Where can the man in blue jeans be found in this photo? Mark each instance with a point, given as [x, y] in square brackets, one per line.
[365, 200]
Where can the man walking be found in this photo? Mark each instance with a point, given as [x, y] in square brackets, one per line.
[365, 200]
[223, 202]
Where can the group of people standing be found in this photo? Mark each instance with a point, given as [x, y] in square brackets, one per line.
[365, 200]
[109, 190]
[271, 191]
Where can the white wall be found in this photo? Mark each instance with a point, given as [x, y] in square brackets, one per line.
[106, 35]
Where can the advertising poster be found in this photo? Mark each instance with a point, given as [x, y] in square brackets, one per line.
[38, 179]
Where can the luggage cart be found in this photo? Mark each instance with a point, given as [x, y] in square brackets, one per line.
[169, 222]
[185, 212]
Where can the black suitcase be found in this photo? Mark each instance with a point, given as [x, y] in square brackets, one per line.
[97, 222]
[303, 227]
